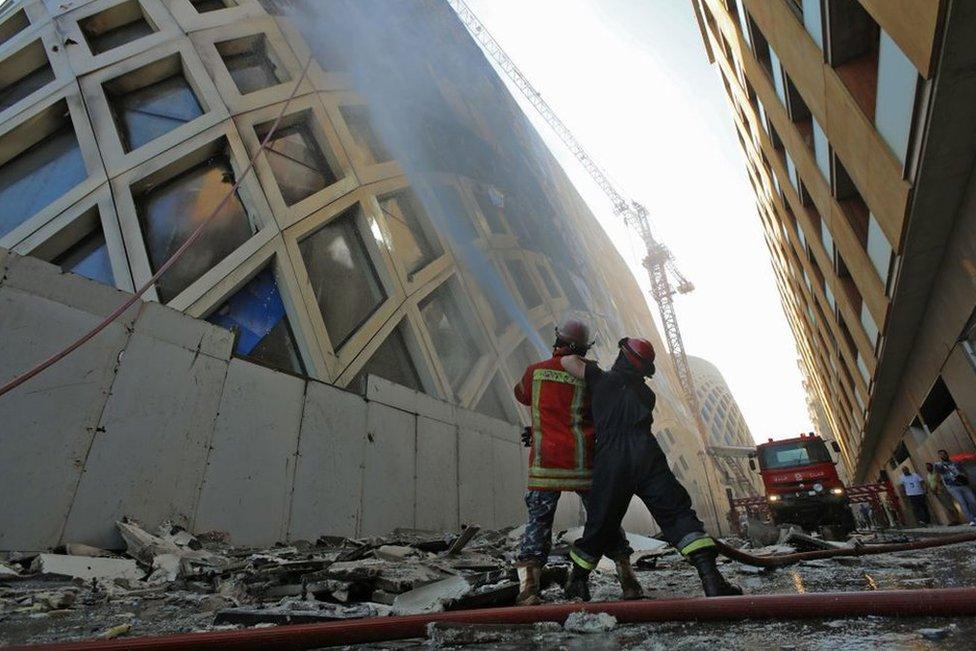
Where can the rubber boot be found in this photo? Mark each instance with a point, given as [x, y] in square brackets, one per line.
[530, 578]
[629, 584]
[712, 580]
[578, 584]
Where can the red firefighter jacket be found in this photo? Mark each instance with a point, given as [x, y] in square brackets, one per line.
[561, 458]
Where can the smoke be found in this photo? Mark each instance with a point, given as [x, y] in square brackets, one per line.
[430, 103]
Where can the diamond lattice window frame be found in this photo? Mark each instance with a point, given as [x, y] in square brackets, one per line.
[84, 61]
[21, 48]
[338, 360]
[190, 20]
[20, 134]
[362, 160]
[169, 165]
[328, 141]
[206, 42]
[64, 231]
[117, 160]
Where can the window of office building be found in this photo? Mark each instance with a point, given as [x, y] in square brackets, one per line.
[454, 341]
[827, 239]
[88, 257]
[791, 171]
[14, 24]
[115, 26]
[897, 81]
[256, 315]
[821, 149]
[879, 249]
[813, 20]
[493, 400]
[345, 282]
[300, 166]
[204, 6]
[740, 11]
[457, 219]
[526, 286]
[392, 361]
[169, 212]
[863, 368]
[412, 238]
[776, 72]
[363, 132]
[521, 357]
[50, 166]
[492, 203]
[852, 50]
[25, 72]
[830, 297]
[251, 63]
[870, 327]
[152, 101]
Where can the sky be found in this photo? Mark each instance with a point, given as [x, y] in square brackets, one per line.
[631, 80]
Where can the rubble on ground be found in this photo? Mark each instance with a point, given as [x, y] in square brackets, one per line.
[168, 581]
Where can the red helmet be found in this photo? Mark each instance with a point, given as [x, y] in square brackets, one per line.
[639, 352]
[573, 334]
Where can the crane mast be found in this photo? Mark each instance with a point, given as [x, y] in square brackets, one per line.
[658, 260]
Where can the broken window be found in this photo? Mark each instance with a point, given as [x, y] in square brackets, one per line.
[343, 278]
[23, 73]
[256, 315]
[152, 101]
[171, 211]
[203, 6]
[391, 361]
[360, 125]
[937, 406]
[89, 258]
[449, 332]
[491, 203]
[527, 288]
[13, 25]
[410, 232]
[251, 64]
[298, 162]
[115, 26]
[42, 172]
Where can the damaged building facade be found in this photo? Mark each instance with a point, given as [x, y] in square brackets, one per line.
[855, 120]
[335, 354]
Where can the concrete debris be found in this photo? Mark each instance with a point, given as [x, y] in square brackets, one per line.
[6, 570]
[461, 541]
[448, 635]
[88, 568]
[298, 612]
[933, 634]
[78, 549]
[584, 622]
[394, 552]
[431, 598]
[115, 631]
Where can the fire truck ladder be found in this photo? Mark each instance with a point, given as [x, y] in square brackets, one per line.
[658, 261]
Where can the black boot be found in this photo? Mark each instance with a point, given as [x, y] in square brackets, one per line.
[712, 580]
[578, 584]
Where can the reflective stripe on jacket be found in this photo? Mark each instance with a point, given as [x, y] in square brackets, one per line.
[561, 458]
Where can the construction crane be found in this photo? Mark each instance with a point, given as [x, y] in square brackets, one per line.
[666, 279]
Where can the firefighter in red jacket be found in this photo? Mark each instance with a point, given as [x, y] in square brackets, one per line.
[561, 459]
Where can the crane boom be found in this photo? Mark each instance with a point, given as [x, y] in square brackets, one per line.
[658, 261]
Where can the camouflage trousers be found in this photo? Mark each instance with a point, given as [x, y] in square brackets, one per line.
[537, 539]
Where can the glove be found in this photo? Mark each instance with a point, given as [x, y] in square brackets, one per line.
[527, 436]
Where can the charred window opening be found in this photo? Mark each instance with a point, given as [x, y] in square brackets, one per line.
[343, 278]
[170, 211]
[412, 238]
[360, 124]
[392, 361]
[204, 6]
[450, 334]
[262, 333]
[49, 165]
[13, 25]
[24, 72]
[938, 405]
[299, 160]
[252, 64]
[520, 274]
[151, 101]
[492, 203]
[115, 26]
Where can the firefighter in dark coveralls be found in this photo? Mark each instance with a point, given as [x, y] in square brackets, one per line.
[561, 459]
[630, 462]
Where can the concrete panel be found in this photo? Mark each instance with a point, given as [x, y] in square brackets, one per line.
[149, 456]
[388, 473]
[251, 470]
[47, 423]
[509, 483]
[391, 394]
[437, 474]
[169, 325]
[475, 481]
[329, 473]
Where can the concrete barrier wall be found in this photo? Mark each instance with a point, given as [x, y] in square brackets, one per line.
[155, 419]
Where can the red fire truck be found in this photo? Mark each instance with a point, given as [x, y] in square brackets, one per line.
[801, 482]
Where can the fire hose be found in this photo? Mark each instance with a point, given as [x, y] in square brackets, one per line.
[890, 603]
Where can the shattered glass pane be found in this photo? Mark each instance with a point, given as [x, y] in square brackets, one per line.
[411, 243]
[116, 26]
[26, 86]
[38, 176]
[249, 65]
[345, 283]
[170, 212]
[452, 339]
[491, 206]
[361, 127]
[147, 113]
[256, 315]
[88, 258]
[297, 161]
[392, 362]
